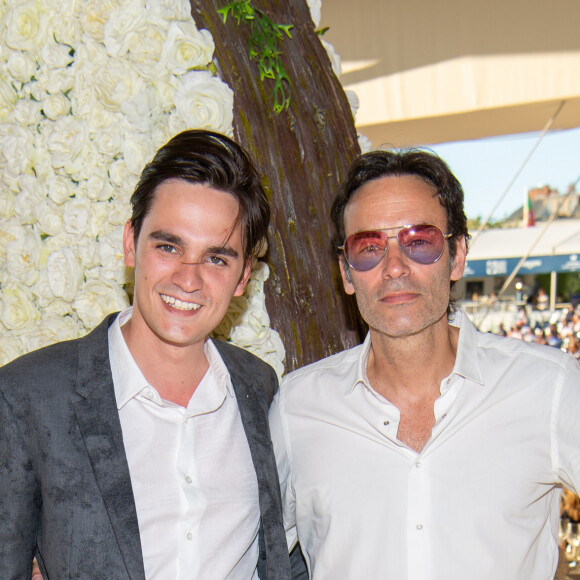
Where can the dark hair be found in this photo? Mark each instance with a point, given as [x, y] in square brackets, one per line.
[416, 162]
[424, 164]
[213, 160]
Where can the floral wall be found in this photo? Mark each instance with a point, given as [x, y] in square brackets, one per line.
[89, 90]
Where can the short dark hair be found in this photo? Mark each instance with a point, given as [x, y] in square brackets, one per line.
[213, 160]
[417, 162]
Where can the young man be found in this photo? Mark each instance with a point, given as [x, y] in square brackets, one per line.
[142, 450]
[432, 451]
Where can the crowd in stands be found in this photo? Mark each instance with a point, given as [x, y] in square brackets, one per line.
[560, 331]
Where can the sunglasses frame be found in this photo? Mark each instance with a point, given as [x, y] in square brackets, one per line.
[400, 228]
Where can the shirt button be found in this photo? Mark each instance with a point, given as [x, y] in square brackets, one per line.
[418, 464]
[148, 394]
[189, 535]
[385, 423]
[188, 479]
[419, 526]
[444, 415]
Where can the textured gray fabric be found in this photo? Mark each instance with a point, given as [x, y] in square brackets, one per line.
[65, 489]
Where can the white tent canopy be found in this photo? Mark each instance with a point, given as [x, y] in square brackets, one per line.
[497, 252]
[429, 72]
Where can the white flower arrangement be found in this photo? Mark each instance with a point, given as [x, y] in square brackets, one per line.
[89, 91]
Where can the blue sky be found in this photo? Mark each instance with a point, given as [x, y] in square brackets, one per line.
[485, 167]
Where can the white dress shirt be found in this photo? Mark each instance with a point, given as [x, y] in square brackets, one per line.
[479, 502]
[193, 479]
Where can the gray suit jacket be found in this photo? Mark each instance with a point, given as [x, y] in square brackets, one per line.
[65, 489]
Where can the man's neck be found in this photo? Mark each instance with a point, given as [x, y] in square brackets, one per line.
[174, 371]
[408, 372]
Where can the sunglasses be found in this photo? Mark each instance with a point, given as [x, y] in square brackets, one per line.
[421, 243]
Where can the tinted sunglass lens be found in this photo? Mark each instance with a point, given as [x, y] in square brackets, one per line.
[365, 249]
[422, 244]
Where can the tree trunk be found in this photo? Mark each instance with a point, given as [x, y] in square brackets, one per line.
[304, 153]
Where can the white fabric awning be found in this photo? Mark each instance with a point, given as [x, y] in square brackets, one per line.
[429, 72]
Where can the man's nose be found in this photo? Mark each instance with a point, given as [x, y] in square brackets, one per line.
[395, 263]
[188, 276]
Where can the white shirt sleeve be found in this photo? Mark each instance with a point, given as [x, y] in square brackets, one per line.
[566, 425]
[278, 430]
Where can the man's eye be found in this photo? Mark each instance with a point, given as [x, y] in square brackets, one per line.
[217, 260]
[168, 248]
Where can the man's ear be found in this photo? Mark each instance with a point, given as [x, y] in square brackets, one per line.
[129, 244]
[459, 259]
[346, 276]
[244, 279]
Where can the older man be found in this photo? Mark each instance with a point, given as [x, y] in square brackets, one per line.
[432, 451]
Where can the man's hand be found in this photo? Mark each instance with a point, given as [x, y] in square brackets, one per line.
[36, 575]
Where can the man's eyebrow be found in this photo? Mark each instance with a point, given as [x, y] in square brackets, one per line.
[223, 251]
[164, 236]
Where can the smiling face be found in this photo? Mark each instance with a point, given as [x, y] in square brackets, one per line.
[399, 297]
[188, 264]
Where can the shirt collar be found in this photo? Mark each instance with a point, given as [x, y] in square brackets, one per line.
[361, 366]
[128, 380]
[466, 360]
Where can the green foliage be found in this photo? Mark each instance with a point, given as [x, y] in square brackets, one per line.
[264, 39]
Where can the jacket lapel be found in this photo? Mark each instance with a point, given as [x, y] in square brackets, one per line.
[98, 420]
[254, 385]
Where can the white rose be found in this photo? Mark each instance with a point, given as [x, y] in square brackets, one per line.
[112, 256]
[353, 102]
[168, 10]
[205, 102]
[314, 6]
[59, 188]
[165, 86]
[6, 206]
[55, 55]
[8, 97]
[41, 290]
[49, 222]
[26, 25]
[77, 217]
[146, 53]
[94, 15]
[116, 83]
[21, 66]
[364, 143]
[67, 141]
[18, 310]
[64, 274]
[9, 231]
[122, 29]
[52, 328]
[97, 299]
[140, 109]
[89, 59]
[187, 47]
[121, 177]
[55, 106]
[27, 199]
[137, 151]
[69, 30]
[97, 187]
[55, 81]
[27, 113]
[16, 151]
[10, 348]
[23, 257]
[88, 253]
[92, 162]
[108, 140]
[333, 56]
